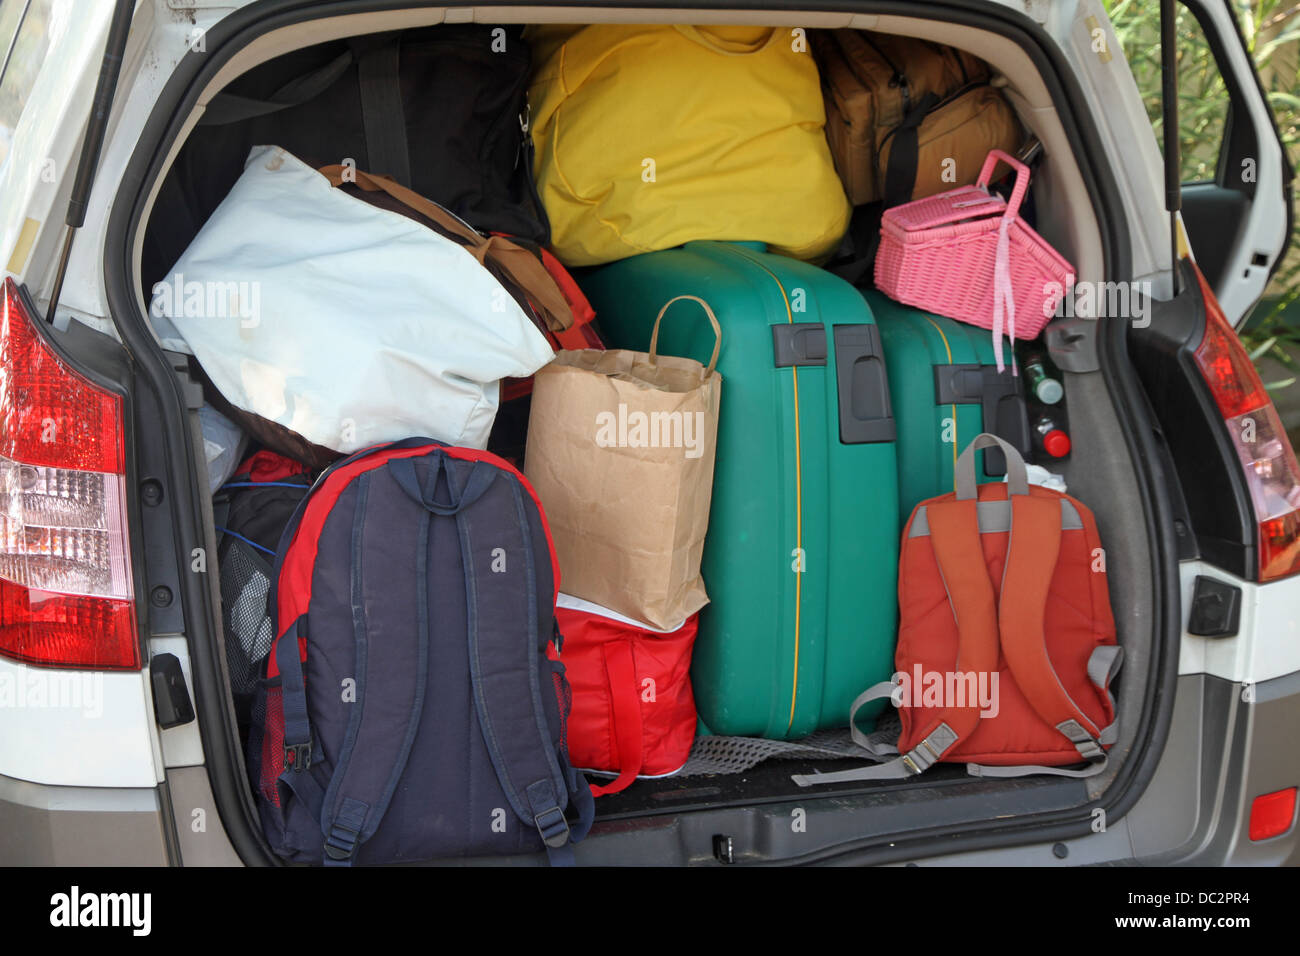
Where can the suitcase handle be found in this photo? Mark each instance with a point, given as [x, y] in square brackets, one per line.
[717, 331]
[1022, 178]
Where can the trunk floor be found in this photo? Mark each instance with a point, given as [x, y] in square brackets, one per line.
[768, 782]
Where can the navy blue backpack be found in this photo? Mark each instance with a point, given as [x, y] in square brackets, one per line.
[410, 712]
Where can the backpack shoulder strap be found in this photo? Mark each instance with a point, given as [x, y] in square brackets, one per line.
[371, 760]
[506, 670]
[1033, 547]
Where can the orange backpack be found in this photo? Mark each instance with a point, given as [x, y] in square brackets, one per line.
[1006, 645]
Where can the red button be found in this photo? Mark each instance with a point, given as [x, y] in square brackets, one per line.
[1056, 443]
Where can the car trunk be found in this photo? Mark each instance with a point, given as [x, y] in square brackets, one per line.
[759, 814]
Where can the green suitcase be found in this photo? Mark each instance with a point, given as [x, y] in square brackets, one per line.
[801, 558]
[945, 389]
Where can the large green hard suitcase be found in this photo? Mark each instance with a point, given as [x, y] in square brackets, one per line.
[801, 558]
[945, 389]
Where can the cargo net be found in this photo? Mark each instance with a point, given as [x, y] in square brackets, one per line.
[245, 586]
[725, 755]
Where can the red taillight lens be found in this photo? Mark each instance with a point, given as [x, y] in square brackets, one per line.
[66, 597]
[67, 630]
[50, 414]
[1271, 814]
[1257, 434]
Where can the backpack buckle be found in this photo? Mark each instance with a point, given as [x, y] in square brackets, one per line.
[297, 757]
[340, 845]
[1089, 748]
[1091, 752]
[553, 827]
[929, 751]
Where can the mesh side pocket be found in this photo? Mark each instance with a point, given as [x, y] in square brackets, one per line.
[564, 698]
[245, 617]
[266, 741]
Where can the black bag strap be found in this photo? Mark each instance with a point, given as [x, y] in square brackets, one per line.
[900, 170]
[857, 253]
[226, 108]
[382, 114]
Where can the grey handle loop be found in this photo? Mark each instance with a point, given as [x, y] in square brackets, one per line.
[964, 470]
[717, 331]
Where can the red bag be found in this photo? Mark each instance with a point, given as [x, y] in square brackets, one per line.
[1006, 644]
[633, 710]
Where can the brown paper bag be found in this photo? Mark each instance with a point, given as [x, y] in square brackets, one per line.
[621, 447]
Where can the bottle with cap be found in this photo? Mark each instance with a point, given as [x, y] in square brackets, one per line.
[1051, 436]
[1041, 384]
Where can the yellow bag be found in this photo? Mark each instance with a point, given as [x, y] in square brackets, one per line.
[649, 136]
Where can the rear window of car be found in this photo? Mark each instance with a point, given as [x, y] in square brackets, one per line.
[24, 43]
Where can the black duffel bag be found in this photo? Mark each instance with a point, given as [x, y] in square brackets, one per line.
[442, 110]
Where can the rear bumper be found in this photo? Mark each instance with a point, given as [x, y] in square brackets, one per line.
[43, 825]
[1229, 744]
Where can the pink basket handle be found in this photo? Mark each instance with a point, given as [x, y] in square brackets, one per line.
[1022, 178]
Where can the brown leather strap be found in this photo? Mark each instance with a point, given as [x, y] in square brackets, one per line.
[519, 265]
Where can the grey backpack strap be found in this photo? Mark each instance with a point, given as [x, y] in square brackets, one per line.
[893, 770]
[1028, 770]
[886, 688]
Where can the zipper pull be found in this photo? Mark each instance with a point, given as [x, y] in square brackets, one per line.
[907, 93]
[525, 120]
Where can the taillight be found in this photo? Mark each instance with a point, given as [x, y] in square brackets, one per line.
[1260, 440]
[66, 597]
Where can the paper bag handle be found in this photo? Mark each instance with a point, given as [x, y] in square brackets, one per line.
[713, 319]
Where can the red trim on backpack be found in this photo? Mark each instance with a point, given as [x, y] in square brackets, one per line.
[293, 586]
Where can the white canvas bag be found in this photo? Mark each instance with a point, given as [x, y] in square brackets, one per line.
[347, 323]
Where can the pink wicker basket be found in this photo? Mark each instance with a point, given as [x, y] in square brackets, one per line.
[942, 254]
